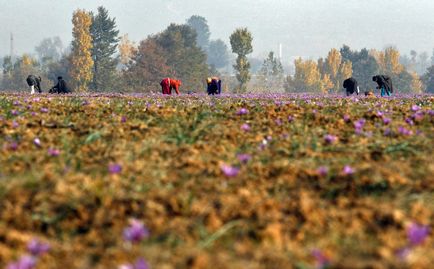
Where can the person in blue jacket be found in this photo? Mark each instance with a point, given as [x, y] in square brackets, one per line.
[214, 85]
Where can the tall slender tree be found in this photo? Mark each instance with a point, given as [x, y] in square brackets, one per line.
[241, 43]
[105, 40]
[81, 56]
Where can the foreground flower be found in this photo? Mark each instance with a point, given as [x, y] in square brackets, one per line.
[322, 261]
[140, 264]
[415, 108]
[245, 127]
[290, 119]
[114, 168]
[53, 152]
[386, 121]
[229, 171]
[348, 170]
[37, 142]
[330, 139]
[244, 158]
[358, 125]
[405, 132]
[417, 234]
[44, 110]
[136, 232]
[37, 248]
[243, 111]
[25, 262]
[347, 118]
[322, 171]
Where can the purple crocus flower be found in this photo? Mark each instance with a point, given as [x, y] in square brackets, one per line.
[15, 124]
[405, 132]
[322, 171]
[409, 121]
[140, 264]
[415, 108]
[229, 171]
[418, 116]
[322, 261]
[244, 158]
[387, 132]
[53, 152]
[245, 127]
[25, 262]
[347, 118]
[114, 168]
[37, 142]
[37, 248]
[12, 146]
[386, 121]
[403, 253]
[417, 234]
[136, 232]
[44, 110]
[330, 139]
[123, 119]
[278, 122]
[15, 112]
[359, 124]
[243, 111]
[431, 112]
[348, 170]
[290, 119]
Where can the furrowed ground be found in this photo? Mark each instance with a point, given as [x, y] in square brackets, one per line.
[320, 180]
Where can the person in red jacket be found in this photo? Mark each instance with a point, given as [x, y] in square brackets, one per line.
[168, 84]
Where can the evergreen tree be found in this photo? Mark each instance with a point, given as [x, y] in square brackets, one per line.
[81, 57]
[271, 72]
[428, 79]
[241, 43]
[185, 59]
[200, 25]
[218, 54]
[104, 43]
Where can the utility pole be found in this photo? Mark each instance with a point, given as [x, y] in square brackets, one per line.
[12, 47]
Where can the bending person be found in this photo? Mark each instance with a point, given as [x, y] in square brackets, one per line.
[384, 83]
[214, 86]
[169, 84]
[60, 87]
[34, 82]
[351, 86]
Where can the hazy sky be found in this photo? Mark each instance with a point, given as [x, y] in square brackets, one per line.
[304, 27]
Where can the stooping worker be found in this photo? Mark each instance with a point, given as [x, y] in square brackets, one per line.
[214, 85]
[60, 87]
[34, 82]
[168, 84]
[385, 84]
[351, 86]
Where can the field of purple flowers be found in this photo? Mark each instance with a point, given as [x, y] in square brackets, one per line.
[251, 181]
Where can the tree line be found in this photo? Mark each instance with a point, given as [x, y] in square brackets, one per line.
[100, 60]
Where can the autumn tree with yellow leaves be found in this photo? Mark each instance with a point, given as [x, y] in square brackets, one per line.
[81, 57]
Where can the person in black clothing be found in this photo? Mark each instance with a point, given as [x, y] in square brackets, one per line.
[60, 87]
[351, 86]
[34, 82]
[384, 83]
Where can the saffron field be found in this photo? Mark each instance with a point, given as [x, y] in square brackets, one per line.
[235, 181]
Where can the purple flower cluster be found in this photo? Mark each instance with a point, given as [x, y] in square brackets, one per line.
[36, 248]
[322, 261]
[136, 232]
[243, 111]
[417, 234]
[348, 170]
[53, 152]
[229, 171]
[139, 264]
[358, 126]
[245, 127]
[330, 139]
[244, 158]
[405, 132]
[114, 168]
